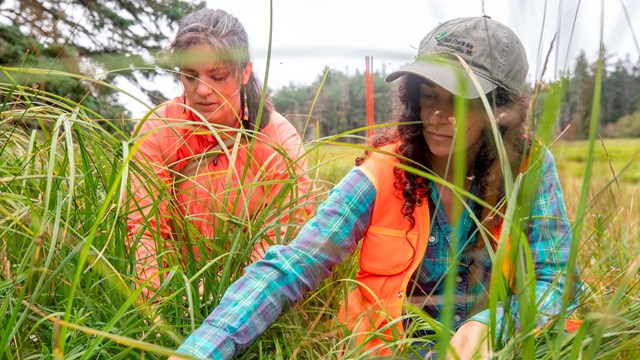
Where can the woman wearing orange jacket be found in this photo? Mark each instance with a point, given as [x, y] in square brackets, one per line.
[205, 160]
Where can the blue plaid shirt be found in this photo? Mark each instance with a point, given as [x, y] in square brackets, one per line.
[272, 285]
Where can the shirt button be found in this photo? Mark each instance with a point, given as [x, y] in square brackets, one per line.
[400, 294]
[458, 279]
[457, 318]
[432, 239]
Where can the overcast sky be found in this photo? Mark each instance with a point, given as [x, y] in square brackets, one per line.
[311, 34]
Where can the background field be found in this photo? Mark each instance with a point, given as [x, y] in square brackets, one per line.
[67, 286]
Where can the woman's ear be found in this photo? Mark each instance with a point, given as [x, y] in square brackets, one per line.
[246, 73]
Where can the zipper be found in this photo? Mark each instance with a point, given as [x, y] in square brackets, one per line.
[421, 247]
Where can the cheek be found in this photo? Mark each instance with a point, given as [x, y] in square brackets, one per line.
[474, 131]
[187, 85]
[424, 115]
[190, 91]
[231, 91]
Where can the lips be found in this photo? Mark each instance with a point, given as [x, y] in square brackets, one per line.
[208, 107]
[439, 136]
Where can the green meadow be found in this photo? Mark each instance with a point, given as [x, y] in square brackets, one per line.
[67, 284]
[68, 288]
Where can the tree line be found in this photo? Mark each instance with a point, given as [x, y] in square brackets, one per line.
[337, 103]
[619, 108]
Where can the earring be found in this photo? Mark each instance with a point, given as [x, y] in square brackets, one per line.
[245, 112]
[184, 108]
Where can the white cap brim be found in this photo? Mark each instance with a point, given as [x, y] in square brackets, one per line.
[447, 73]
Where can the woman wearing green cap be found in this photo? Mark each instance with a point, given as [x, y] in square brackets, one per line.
[399, 202]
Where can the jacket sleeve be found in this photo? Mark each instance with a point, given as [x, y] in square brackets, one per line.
[287, 272]
[285, 170]
[150, 184]
[549, 239]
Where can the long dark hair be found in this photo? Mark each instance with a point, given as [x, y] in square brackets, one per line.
[485, 169]
[226, 35]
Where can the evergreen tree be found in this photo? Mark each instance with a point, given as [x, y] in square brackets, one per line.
[89, 38]
[101, 27]
[340, 104]
[577, 109]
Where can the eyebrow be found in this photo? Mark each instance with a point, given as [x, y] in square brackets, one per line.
[215, 68]
[220, 68]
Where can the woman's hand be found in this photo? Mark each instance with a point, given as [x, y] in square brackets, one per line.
[470, 342]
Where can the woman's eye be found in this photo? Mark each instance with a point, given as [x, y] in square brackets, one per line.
[218, 76]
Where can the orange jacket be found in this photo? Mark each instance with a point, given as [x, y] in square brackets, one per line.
[388, 257]
[205, 189]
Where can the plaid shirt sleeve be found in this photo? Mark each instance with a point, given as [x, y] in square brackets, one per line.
[550, 242]
[271, 285]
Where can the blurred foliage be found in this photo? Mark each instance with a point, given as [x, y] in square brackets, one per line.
[620, 97]
[103, 40]
[627, 126]
[129, 26]
[25, 53]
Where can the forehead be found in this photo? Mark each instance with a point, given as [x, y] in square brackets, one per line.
[431, 88]
[202, 56]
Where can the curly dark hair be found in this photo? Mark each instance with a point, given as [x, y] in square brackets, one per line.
[510, 112]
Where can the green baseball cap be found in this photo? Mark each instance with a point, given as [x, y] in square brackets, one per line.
[492, 51]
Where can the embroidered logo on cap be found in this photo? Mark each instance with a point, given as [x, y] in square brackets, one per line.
[454, 44]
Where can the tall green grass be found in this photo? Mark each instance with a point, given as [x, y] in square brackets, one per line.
[67, 279]
[67, 273]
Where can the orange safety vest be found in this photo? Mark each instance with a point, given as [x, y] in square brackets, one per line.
[388, 257]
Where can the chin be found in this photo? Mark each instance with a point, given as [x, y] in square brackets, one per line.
[439, 151]
[199, 116]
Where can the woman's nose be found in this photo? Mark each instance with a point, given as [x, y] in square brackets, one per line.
[203, 89]
[442, 115]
